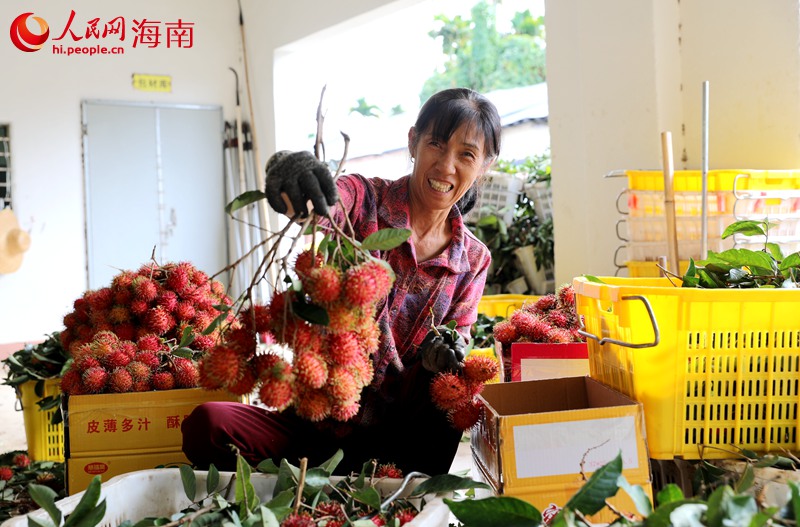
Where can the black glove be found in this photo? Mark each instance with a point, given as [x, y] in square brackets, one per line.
[302, 177]
[441, 352]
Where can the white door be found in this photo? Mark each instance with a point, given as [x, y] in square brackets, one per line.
[154, 181]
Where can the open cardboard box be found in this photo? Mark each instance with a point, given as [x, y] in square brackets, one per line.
[534, 438]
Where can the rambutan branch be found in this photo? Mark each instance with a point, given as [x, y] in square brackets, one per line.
[300, 484]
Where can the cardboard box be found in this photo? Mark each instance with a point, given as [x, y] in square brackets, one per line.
[533, 437]
[118, 423]
[81, 470]
[531, 361]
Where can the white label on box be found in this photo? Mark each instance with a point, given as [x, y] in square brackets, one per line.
[537, 369]
[554, 449]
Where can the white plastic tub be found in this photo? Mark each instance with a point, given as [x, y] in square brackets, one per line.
[159, 492]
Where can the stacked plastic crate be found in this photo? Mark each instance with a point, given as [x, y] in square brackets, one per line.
[732, 195]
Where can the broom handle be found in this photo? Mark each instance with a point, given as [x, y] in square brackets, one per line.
[669, 203]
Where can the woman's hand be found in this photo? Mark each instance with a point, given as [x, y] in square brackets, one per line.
[294, 179]
[442, 352]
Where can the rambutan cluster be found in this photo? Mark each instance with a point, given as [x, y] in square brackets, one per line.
[160, 300]
[551, 319]
[108, 364]
[331, 363]
[456, 393]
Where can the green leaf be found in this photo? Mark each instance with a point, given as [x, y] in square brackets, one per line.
[212, 479]
[93, 517]
[187, 337]
[243, 200]
[594, 279]
[330, 465]
[745, 228]
[446, 483]
[288, 475]
[591, 497]
[746, 258]
[385, 239]
[687, 515]
[491, 512]
[311, 313]
[795, 498]
[746, 481]
[186, 353]
[661, 515]
[215, 323]
[189, 481]
[266, 518]
[640, 498]
[246, 495]
[281, 503]
[793, 260]
[717, 505]
[33, 522]
[774, 250]
[316, 480]
[268, 467]
[670, 493]
[45, 497]
[368, 496]
[87, 503]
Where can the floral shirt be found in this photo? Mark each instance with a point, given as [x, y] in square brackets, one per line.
[446, 287]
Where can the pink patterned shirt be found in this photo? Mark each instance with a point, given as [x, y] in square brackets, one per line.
[450, 284]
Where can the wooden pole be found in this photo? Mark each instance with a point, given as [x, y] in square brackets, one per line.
[669, 203]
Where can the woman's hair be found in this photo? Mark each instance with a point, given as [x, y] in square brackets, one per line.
[447, 110]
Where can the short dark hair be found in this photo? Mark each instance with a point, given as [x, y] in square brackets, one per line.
[448, 109]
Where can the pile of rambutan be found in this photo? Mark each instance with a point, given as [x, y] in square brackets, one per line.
[109, 364]
[456, 392]
[327, 320]
[551, 319]
[143, 332]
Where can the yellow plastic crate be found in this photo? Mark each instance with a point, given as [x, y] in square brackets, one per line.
[713, 368]
[503, 305]
[45, 440]
[645, 269]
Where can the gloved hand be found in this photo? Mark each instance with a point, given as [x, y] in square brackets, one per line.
[302, 177]
[441, 352]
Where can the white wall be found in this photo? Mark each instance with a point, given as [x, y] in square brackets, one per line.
[622, 71]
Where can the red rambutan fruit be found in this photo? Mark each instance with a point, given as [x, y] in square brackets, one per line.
[163, 380]
[185, 371]
[344, 348]
[465, 416]
[310, 369]
[305, 262]
[100, 300]
[448, 391]
[505, 332]
[71, 382]
[246, 382]
[21, 460]
[242, 340]
[480, 368]
[168, 300]
[6, 473]
[388, 470]
[255, 318]
[405, 515]
[302, 337]
[85, 361]
[203, 342]
[220, 367]
[546, 302]
[178, 278]
[119, 314]
[566, 296]
[150, 358]
[342, 386]
[558, 318]
[148, 342]
[299, 519]
[158, 320]
[184, 311]
[139, 371]
[331, 509]
[345, 413]
[270, 366]
[558, 336]
[323, 284]
[138, 307]
[276, 394]
[116, 359]
[342, 316]
[127, 347]
[363, 371]
[120, 381]
[94, 379]
[144, 289]
[360, 286]
[125, 331]
[313, 405]
[369, 336]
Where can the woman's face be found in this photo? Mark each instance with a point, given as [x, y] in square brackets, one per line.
[445, 170]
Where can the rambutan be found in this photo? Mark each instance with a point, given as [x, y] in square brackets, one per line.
[480, 368]
[138, 307]
[448, 391]
[546, 302]
[323, 284]
[177, 279]
[108, 338]
[142, 386]
[559, 336]
[310, 369]
[21, 460]
[144, 289]
[158, 320]
[139, 371]
[148, 342]
[388, 470]
[168, 300]
[255, 318]
[203, 342]
[122, 296]
[127, 347]
[85, 361]
[94, 379]
[163, 380]
[280, 312]
[116, 359]
[313, 405]
[558, 318]
[185, 371]
[306, 261]
[363, 371]
[344, 348]
[242, 340]
[100, 300]
[345, 413]
[71, 382]
[125, 331]
[270, 366]
[303, 337]
[505, 332]
[360, 286]
[219, 367]
[6, 473]
[184, 311]
[566, 296]
[342, 316]
[120, 381]
[123, 280]
[150, 358]
[405, 515]
[246, 382]
[331, 509]
[119, 314]
[465, 416]
[299, 519]
[342, 386]
[276, 394]
[218, 288]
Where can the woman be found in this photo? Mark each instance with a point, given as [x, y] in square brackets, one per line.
[440, 273]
